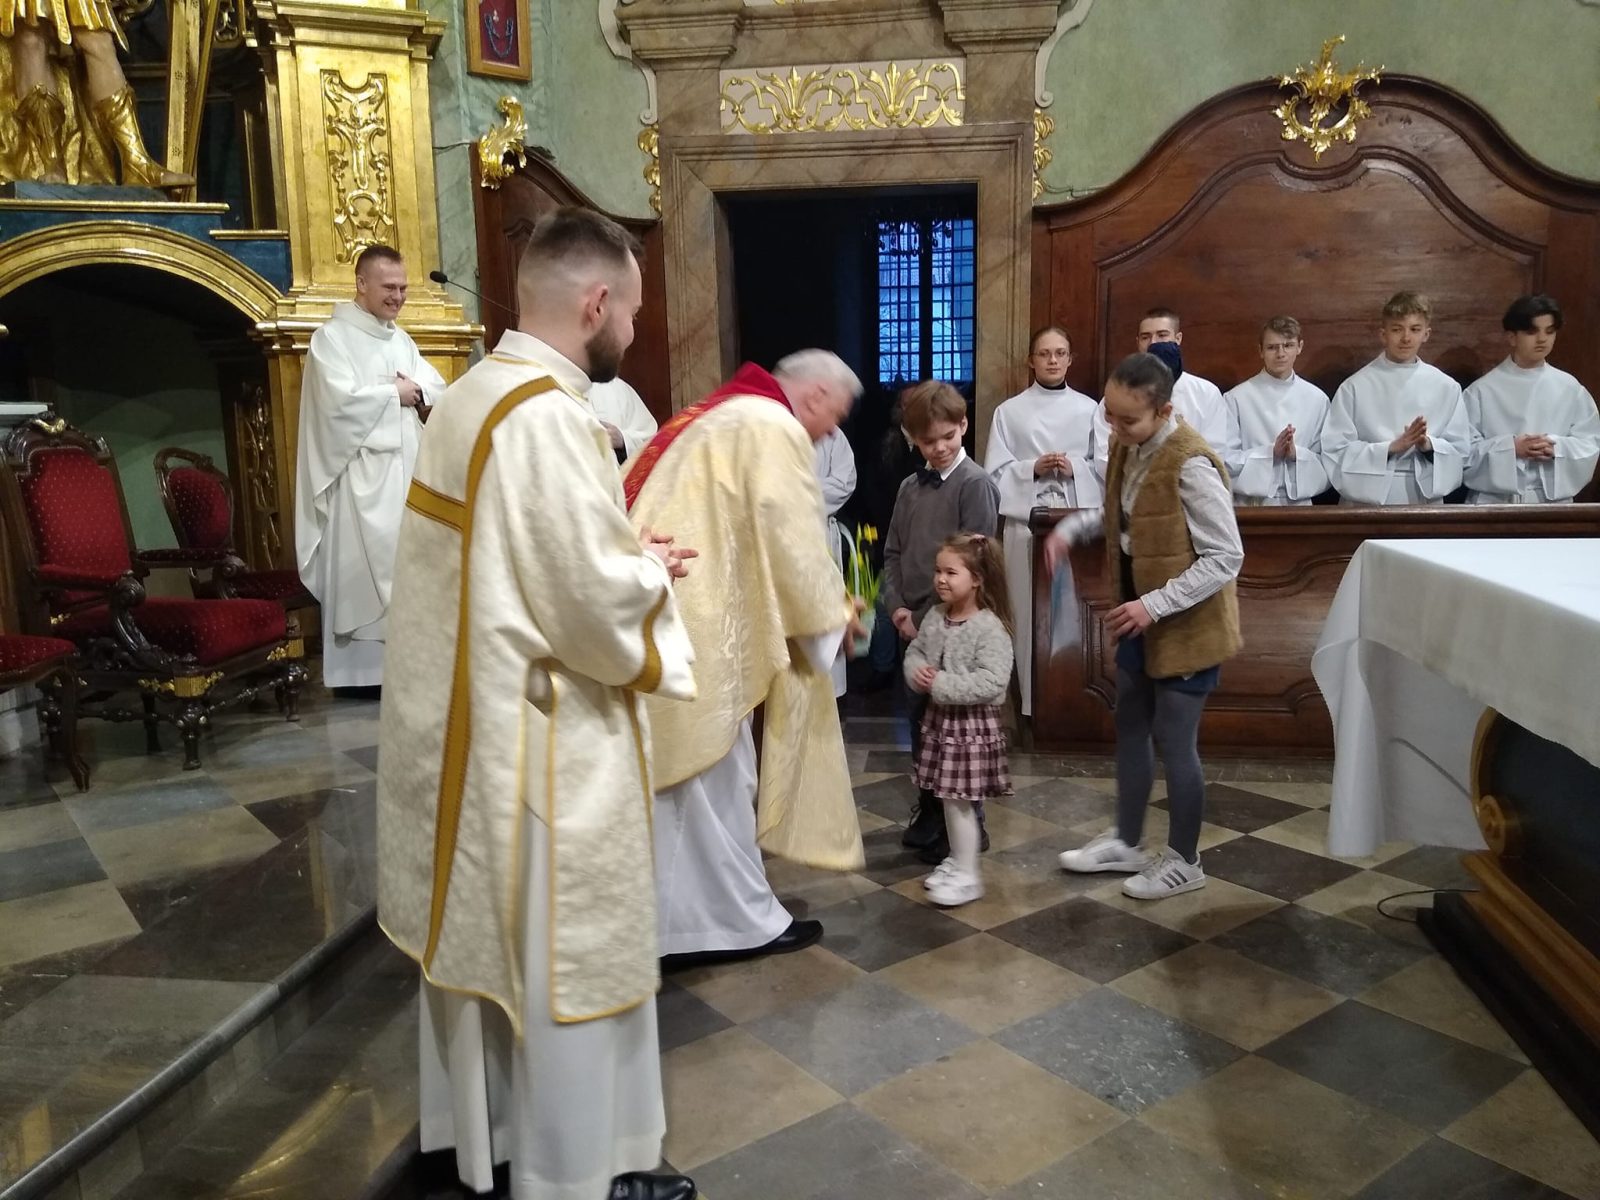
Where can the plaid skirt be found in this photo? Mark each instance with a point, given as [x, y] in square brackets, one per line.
[963, 753]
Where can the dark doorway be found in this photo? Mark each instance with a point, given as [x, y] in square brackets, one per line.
[884, 278]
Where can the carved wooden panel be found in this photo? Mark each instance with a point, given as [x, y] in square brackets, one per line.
[1229, 225]
[1268, 704]
[506, 215]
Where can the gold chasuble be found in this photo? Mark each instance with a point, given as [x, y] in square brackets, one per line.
[525, 623]
[732, 478]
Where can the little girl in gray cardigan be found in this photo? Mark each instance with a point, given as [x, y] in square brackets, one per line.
[961, 660]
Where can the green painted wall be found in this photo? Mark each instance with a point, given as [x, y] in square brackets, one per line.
[582, 107]
[1134, 67]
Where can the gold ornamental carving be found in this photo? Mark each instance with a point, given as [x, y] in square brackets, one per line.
[830, 98]
[505, 140]
[360, 166]
[1043, 127]
[258, 459]
[650, 143]
[1327, 98]
[184, 687]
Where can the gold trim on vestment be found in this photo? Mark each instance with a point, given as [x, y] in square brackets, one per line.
[436, 506]
[649, 677]
[458, 723]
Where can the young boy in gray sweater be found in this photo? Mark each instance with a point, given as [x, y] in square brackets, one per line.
[950, 495]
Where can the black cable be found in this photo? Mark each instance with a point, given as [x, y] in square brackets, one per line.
[1417, 892]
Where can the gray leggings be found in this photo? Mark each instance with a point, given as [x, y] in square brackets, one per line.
[1147, 710]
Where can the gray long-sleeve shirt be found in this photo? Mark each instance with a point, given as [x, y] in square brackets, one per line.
[1208, 509]
[967, 501]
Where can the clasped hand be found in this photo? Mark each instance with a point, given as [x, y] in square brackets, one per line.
[1052, 464]
[1415, 437]
[1535, 445]
[410, 391]
[670, 556]
[922, 679]
[1283, 447]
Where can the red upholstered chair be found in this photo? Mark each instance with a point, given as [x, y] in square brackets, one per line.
[47, 661]
[199, 503]
[81, 579]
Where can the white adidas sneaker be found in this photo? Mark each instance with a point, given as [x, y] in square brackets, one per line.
[939, 872]
[955, 888]
[1168, 875]
[1104, 852]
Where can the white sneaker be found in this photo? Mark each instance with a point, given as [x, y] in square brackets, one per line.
[1104, 852]
[1169, 875]
[955, 888]
[940, 872]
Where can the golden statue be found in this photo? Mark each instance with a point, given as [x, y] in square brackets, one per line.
[62, 124]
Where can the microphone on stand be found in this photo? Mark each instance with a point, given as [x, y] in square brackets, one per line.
[440, 277]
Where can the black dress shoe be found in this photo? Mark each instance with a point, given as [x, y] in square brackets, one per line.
[798, 936]
[926, 827]
[652, 1187]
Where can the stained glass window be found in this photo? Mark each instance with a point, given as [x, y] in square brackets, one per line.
[926, 299]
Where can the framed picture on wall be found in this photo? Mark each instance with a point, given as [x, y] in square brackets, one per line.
[497, 39]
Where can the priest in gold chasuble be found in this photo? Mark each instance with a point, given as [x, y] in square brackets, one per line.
[766, 610]
[528, 621]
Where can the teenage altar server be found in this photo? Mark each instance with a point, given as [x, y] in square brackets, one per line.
[623, 415]
[1398, 432]
[1275, 419]
[514, 859]
[1535, 431]
[1197, 401]
[366, 392]
[1040, 455]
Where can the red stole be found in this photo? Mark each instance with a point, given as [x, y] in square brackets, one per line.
[748, 380]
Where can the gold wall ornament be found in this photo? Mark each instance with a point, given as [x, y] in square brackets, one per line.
[1328, 96]
[824, 99]
[650, 143]
[1043, 127]
[360, 168]
[503, 141]
[259, 467]
[232, 21]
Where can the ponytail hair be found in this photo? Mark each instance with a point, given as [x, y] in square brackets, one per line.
[981, 555]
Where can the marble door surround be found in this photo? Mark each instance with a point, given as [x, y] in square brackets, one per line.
[890, 138]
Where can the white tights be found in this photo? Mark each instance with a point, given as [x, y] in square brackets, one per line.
[961, 819]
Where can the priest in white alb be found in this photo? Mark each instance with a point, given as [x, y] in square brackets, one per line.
[1040, 455]
[766, 610]
[1275, 418]
[1397, 431]
[1535, 431]
[1196, 400]
[366, 392]
[623, 415]
[530, 622]
[835, 464]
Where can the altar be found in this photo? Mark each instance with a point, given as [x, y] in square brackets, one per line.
[1466, 708]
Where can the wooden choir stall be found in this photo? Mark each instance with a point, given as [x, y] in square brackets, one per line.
[1226, 223]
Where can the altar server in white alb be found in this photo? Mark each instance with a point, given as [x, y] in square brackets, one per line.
[366, 393]
[1275, 420]
[1397, 432]
[1197, 401]
[514, 854]
[835, 464]
[1040, 455]
[1535, 431]
[622, 412]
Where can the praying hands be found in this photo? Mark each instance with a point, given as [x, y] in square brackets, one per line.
[1414, 437]
[1535, 445]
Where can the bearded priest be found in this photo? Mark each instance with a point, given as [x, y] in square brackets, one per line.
[514, 825]
[766, 610]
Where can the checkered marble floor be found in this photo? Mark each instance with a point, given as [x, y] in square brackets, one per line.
[1269, 1035]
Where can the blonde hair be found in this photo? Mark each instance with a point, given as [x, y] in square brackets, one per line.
[981, 555]
[1406, 304]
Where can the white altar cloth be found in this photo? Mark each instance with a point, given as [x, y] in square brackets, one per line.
[1423, 636]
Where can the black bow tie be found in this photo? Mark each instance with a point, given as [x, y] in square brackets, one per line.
[928, 477]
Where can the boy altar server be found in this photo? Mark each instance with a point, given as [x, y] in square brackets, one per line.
[1198, 401]
[1398, 431]
[1275, 426]
[1040, 455]
[1535, 431]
